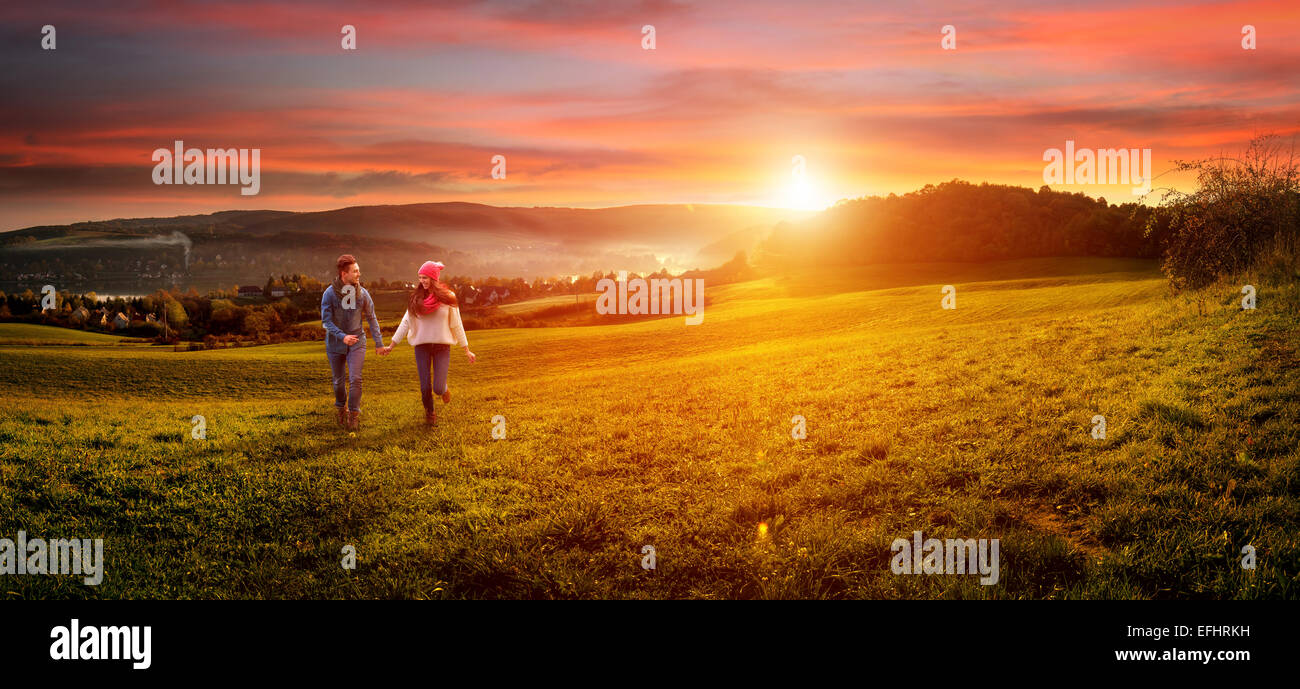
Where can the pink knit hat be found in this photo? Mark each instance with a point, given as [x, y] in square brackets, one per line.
[431, 268]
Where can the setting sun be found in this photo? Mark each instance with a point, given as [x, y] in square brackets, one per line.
[804, 195]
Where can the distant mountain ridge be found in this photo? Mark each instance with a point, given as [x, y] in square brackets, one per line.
[473, 239]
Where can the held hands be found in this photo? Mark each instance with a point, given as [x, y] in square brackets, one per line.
[383, 351]
[350, 340]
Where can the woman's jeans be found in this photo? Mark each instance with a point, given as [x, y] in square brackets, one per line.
[437, 357]
[346, 368]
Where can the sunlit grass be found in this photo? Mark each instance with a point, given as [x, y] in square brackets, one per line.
[31, 334]
[967, 423]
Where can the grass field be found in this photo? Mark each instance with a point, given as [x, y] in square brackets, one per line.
[530, 305]
[966, 423]
[17, 334]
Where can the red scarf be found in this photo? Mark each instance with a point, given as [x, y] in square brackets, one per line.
[430, 303]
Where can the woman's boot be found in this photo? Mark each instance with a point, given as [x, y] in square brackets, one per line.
[354, 420]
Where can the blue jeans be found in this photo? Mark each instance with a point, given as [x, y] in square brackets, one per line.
[347, 372]
[437, 357]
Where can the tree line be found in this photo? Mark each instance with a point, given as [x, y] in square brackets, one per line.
[961, 221]
[1244, 213]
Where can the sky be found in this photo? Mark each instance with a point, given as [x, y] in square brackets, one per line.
[787, 104]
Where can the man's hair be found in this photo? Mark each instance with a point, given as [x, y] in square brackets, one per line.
[345, 261]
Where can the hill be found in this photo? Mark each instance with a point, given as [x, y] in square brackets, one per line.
[40, 335]
[474, 240]
[960, 221]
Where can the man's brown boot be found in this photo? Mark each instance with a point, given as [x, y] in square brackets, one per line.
[446, 395]
[340, 416]
[430, 418]
[354, 420]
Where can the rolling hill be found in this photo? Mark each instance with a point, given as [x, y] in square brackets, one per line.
[976, 422]
[474, 240]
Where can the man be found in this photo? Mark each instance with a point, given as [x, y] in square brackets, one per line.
[343, 307]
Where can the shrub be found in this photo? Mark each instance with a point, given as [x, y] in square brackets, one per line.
[1245, 210]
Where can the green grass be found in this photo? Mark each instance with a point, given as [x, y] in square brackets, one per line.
[530, 305]
[967, 423]
[13, 334]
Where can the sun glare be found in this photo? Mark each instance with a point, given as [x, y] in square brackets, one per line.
[803, 195]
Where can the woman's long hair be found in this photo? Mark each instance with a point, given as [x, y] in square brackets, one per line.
[415, 303]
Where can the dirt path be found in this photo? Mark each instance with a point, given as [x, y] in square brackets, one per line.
[1048, 520]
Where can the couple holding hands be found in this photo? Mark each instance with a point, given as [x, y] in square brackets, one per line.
[431, 324]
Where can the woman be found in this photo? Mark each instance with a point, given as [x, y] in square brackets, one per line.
[433, 321]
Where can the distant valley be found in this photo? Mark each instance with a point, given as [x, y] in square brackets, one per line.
[474, 240]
